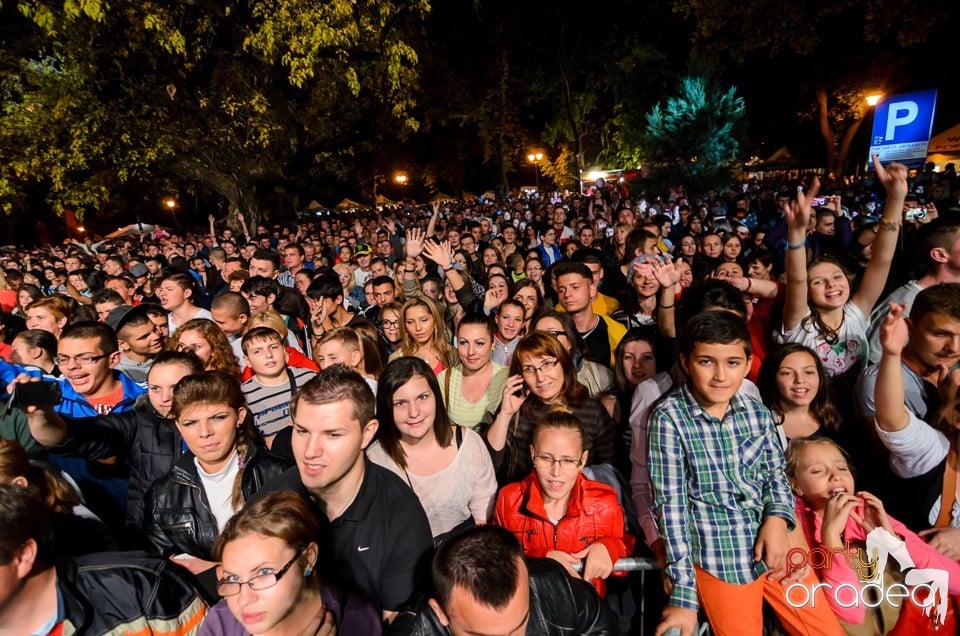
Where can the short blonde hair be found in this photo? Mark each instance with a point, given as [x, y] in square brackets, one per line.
[271, 318]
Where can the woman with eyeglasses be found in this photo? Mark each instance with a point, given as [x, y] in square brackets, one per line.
[558, 513]
[269, 581]
[226, 463]
[392, 338]
[543, 379]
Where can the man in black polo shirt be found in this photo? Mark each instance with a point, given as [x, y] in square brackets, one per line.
[378, 540]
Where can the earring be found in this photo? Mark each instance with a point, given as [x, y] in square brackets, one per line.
[307, 572]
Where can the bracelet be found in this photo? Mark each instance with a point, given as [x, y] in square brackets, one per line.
[666, 306]
[791, 246]
[449, 267]
[749, 284]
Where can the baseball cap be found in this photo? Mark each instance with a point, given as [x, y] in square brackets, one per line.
[123, 314]
[138, 270]
[362, 249]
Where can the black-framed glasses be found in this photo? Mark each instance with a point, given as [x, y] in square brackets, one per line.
[546, 365]
[257, 583]
[565, 463]
[83, 359]
[393, 324]
[556, 333]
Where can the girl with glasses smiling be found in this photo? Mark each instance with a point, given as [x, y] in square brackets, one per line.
[269, 581]
[583, 517]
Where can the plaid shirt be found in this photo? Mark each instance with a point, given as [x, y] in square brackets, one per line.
[716, 482]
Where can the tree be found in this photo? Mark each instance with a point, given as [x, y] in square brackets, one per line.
[694, 136]
[235, 95]
[820, 44]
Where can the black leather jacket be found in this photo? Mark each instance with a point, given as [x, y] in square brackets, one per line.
[559, 605]
[129, 592]
[148, 442]
[176, 515]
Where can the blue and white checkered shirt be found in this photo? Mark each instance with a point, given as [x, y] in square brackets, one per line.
[715, 483]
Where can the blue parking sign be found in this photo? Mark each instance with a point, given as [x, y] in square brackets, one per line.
[902, 125]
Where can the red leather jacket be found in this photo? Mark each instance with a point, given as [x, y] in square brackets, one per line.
[593, 515]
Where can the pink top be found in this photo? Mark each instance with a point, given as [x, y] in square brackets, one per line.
[840, 572]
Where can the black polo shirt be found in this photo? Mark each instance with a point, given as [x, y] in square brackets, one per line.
[380, 546]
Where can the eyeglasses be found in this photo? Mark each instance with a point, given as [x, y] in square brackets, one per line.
[556, 333]
[393, 324]
[83, 359]
[257, 583]
[546, 365]
[565, 463]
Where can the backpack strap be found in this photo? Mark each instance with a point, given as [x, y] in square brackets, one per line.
[950, 486]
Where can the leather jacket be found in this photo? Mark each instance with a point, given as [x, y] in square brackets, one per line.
[559, 606]
[148, 442]
[594, 515]
[176, 514]
[127, 592]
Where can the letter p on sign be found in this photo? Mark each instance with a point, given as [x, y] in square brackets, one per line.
[900, 114]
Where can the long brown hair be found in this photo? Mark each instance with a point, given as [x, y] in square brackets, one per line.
[441, 343]
[542, 344]
[398, 373]
[216, 387]
[222, 357]
[55, 493]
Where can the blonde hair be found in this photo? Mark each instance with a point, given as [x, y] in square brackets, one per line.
[441, 342]
[796, 445]
[272, 319]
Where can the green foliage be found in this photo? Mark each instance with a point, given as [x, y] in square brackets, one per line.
[692, 138]
[236, 96]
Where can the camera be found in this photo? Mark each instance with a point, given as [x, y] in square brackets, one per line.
[915, 214]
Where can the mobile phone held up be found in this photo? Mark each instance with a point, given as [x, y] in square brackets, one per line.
[43, 393]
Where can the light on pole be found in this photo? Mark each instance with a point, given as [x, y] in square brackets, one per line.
[535, 158]
[402, 179]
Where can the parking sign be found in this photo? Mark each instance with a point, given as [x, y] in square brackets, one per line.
[902, 125]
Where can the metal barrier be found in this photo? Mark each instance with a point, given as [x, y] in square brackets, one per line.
[630, 564]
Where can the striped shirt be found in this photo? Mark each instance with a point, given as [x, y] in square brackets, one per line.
[270, 405]
[715, 483]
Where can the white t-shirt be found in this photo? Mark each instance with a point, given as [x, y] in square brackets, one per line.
[218, 487]
[201, 313]
[851, 346]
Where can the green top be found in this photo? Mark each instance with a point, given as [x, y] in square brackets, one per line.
[463, 412]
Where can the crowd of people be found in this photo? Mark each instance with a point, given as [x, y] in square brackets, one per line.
[459, 418]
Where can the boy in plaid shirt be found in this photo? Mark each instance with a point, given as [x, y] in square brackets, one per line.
[722, 498]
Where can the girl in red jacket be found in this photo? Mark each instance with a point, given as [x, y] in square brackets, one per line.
[558, 513]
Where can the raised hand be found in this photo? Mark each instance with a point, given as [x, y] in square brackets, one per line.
[667, 274]
[514, 394]
[439, 253]
[798, 213]
[894, 333]
[414, 243]
[893, 178]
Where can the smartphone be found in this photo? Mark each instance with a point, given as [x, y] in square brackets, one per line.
[43, 393]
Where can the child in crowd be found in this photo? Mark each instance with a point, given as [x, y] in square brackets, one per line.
[273, 383]
[723, 501]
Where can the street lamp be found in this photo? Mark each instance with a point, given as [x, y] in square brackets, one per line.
[535, 158]
[401, 178]
[873, 100]
[171, 204]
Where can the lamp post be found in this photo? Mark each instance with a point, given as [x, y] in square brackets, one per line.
[535, 158]
[171, 204]
[872, 100]
[401, 178]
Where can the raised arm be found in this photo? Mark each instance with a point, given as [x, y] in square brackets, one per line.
[894, 180]
[432, 225]
[888, 394]
[668, 275]
[797, 215]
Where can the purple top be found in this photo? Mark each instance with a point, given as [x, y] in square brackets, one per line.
[353, 614]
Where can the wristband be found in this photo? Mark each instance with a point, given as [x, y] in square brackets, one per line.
[791, 246]
[749, 283]
[449, 267]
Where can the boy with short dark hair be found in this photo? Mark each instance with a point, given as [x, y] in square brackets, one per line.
[722, 498]
[273, 383]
